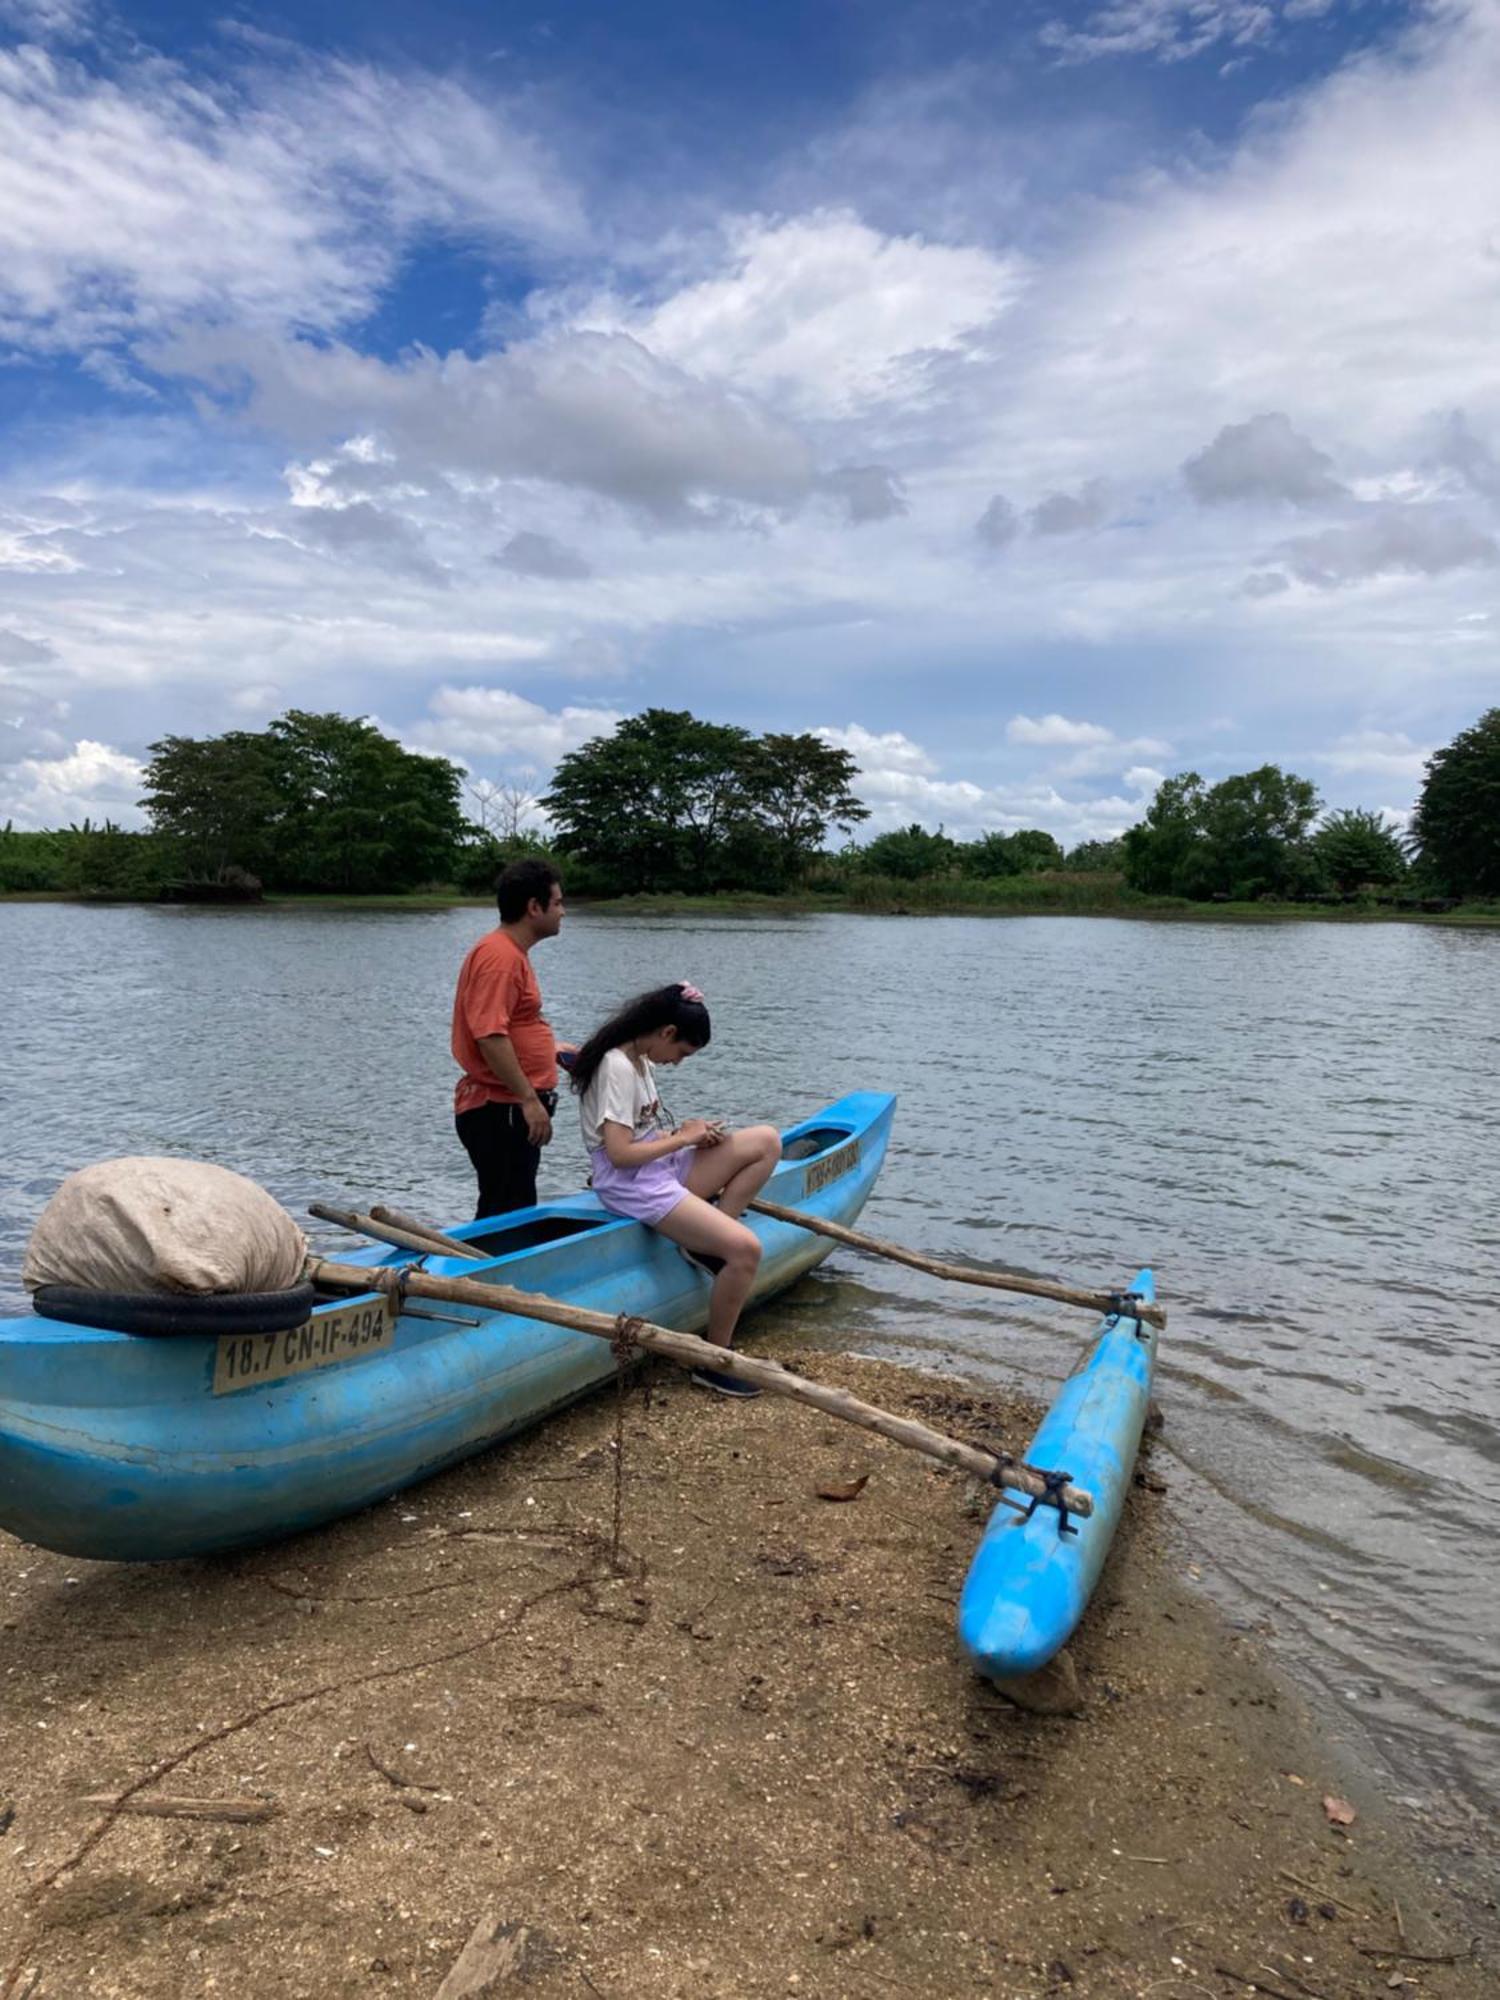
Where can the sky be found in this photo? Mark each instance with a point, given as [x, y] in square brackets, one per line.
[1034, 397]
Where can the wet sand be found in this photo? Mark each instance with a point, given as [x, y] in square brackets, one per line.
[745, 1760]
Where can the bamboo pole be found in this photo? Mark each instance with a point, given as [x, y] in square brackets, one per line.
[384, 1232]
[963, 1274]
[451, 1246]
[688, 1351]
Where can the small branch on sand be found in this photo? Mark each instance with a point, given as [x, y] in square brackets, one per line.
[1323, 1895]
[494, 1952]
[1421, 1957]
[1261, 1985]
[395, 1777]
[165, 1805]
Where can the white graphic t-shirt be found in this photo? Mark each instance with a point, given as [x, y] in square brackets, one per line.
[623, 1095]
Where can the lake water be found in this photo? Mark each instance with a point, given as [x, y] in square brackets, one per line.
[1296, 1125]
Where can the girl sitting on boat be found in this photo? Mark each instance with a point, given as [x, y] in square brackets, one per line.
[692, 1182]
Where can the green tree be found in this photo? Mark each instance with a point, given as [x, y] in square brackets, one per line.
[1037, 851]
[217, 802]
[318, 802]
[1095, 857]
[1256, 827]
[1456, 826]
[1027, 852]
[1242, 838]
[797, 789]
[1162, 850]
[909, 853]
[110, 863]
[362, 814]
[1355, 849]
[659, 804]
[33, 861]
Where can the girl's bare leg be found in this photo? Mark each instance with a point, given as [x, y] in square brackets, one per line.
[697, 1226]
[737, 1168]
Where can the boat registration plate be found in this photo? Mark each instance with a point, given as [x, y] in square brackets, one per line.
[821, 1172]
[246, 1358]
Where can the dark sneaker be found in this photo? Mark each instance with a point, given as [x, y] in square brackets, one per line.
[723, 1385]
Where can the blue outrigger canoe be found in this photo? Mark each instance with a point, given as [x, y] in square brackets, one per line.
[1030, 1579]
[140, 1450]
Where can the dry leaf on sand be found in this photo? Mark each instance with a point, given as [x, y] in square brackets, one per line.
[848, 1490]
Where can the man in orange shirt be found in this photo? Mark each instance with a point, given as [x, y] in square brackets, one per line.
[504, 1101]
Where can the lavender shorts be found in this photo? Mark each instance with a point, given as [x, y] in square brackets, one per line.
[645, 1194]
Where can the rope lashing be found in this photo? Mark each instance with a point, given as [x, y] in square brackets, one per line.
[1127, 1305]
[1054, 1482]
[1003, 1464]
[624, 1342]
[392, 1279]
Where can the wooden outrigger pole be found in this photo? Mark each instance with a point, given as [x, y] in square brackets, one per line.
[688, 1351]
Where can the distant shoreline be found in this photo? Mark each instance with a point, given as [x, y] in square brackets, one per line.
[1465, 916]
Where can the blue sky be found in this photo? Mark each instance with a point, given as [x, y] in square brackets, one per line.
[1036, 398]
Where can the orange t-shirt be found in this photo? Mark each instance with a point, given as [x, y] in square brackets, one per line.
[498, 995]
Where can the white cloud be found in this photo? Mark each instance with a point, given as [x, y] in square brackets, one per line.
[1469, 455]
[1142, 778]
[47, 20]
[25, 545]
[1072, 513]
[1404, 541]
[867, 492]
[1091, 750]
[1175, 30]
[16, 650]
[999, 524]
[1053, 731]
[901, 782]
[882, 753]
[469, 722]
[260, 699]
[368, 533]
[1264, 459]
[531, 554]
[1376, 753]
[821, 314]
[91, 781]
[286, 197]
[590, 410]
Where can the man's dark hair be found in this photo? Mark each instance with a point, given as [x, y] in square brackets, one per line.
[522, 883]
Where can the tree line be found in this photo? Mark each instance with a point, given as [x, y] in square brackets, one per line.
[668, 803]
[329, 804]
[1264, 834]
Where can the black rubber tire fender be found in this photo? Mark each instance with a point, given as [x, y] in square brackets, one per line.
[163, 1315]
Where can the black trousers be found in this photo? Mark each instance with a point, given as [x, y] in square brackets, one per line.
[505, 1161]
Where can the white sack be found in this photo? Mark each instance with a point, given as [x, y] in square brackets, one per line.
[143, 1225]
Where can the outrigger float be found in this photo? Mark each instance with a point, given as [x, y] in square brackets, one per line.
[1033, 1574]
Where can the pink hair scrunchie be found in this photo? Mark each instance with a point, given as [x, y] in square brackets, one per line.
[689, 992]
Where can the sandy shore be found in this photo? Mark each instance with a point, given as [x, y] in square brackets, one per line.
[747, 1762]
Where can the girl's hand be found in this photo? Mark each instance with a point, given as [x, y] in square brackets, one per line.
[698, 1132]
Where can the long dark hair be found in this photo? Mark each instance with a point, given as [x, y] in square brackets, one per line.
[662, 1007]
